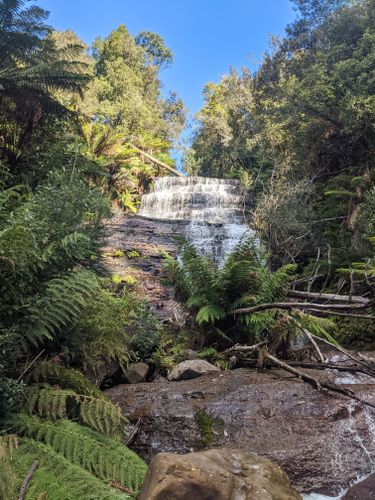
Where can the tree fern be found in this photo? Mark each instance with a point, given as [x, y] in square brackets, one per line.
[245, 280]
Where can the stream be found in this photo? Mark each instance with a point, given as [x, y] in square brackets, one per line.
[213, 215]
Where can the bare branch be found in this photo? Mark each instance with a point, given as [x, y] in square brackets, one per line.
[27, 480]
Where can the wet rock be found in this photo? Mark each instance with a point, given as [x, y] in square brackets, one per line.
[322, 441]
[365, 490]
[151, 239]
[136, 373]
[191, 368]
[219, 474]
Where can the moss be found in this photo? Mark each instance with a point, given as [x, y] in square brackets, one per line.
[209, 426]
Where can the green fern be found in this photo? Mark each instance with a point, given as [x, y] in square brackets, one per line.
[100, 455]
[210, 313]
[57, 478]
[95, 412]
[60, 304]
[245, 280]
[65, 378]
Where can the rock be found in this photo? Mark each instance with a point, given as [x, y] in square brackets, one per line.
[151, 239]
[190, 354]
[365, 490]
[136, 373]
[322, 441]
[105, 372]
[218, 474]
[191, 368]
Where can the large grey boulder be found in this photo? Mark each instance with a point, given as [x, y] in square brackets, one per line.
[218, 474]
[136, 373]
[191, 368]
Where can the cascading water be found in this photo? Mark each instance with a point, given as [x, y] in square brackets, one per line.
[212, 207]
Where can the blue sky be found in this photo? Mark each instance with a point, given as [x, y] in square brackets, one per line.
[206, 36]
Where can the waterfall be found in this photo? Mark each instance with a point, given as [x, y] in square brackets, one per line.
[213, 209]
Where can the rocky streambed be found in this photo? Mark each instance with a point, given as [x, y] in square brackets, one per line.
[323, 441]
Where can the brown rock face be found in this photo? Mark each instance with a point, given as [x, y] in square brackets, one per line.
[136, 373]
[322, 441]
[148, 240]
[365, 490]
[218, 474]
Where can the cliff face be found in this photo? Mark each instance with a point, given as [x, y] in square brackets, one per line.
[143, 243]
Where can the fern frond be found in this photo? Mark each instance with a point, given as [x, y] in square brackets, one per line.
[100, 455]
[97, 413]
[321, 327]
[57, 478]
[60, 305]
[210, 313]
[65, 378]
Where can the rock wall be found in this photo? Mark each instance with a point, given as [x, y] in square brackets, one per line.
[150, 239]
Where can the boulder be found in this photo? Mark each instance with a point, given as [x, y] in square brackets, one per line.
[318, 438]
[190, 354]
[191, 368]
[136, 373]
[217, 474]
[365, 490]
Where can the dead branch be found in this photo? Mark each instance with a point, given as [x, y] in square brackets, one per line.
[357, 299]
[120, 487]
[296, 305]
[343, 314]
[27, 480]
[315, 345]
[245, 348]
[133, 433]
[320, 385]
[252, 363]
[347, 353]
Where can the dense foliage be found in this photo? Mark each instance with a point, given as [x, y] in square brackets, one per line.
[302, 124]
[245, 281]
[73, 124]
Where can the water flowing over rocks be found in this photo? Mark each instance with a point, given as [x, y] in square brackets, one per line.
[323, 441]
[217, 474]
[213, 207]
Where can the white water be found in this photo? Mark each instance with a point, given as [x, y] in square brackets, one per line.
[213, 207]
[365, 443]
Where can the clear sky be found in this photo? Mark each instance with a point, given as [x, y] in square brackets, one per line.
[206, 36]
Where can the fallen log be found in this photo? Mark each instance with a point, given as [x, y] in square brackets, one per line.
[245, 348]
[297, 305]
[329, 297]
[157, 162]
[252, 363]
